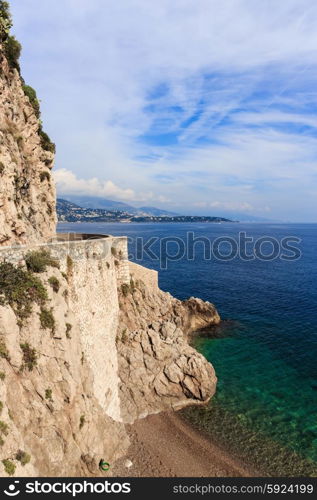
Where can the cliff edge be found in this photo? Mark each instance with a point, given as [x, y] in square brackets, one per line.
[27, 191]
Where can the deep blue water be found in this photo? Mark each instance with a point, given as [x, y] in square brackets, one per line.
[266, 362]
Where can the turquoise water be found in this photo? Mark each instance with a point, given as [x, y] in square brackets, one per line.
[267, 397]
[266, 356]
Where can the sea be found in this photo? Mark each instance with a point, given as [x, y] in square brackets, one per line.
[265, 350]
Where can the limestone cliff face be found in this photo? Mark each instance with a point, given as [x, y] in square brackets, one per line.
[27, 193]
[157, 368]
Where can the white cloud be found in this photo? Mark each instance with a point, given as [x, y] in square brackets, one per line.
[68, 183]
[273, 117]
[242, 207]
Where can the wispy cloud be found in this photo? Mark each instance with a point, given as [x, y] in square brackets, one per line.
[68, 183]
[203, 101]
[232, 206]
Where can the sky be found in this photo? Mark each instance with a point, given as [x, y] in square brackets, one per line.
[197, 106]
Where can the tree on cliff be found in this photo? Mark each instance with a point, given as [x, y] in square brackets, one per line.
[5, 20]
[11, 45]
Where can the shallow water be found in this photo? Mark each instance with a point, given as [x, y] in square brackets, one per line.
[266, 362]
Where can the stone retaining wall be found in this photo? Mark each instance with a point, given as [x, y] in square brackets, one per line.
[79, 247]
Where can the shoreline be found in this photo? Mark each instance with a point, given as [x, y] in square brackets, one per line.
[166, 445]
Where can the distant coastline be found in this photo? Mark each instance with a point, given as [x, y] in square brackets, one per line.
[70, 212]
[149, 220]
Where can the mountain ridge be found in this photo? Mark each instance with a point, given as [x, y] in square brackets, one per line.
[95, 202]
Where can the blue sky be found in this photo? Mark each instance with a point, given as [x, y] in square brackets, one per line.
[198, 106]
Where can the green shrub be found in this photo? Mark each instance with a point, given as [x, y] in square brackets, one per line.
[47, 319]
[5, 20]
[4, 351]
[23, 457]
[29, 357]
[48, 394]
[82, 421]
[54, 282]
[124, 336]
[2, 167]
[113, 251]
[4, 428]
[45, 176]
[20, 142]
[46, 142]
[12, 49]
[20, 288]
[11, 46]
[2, 375]
[38, 260]
[9, 466]
[68, 330]
[70, 265]
[125, 289]
[31, 94]
[1, 441]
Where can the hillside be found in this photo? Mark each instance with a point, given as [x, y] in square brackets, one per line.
[70, 212]
[94, 202]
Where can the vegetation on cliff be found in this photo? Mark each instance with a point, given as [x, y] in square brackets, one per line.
[12, 50]
[20, 289]
[5, 21]
[31, 93]
[38, 260]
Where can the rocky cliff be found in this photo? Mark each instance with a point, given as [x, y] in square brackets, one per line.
[27, 193]
[158, 369]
